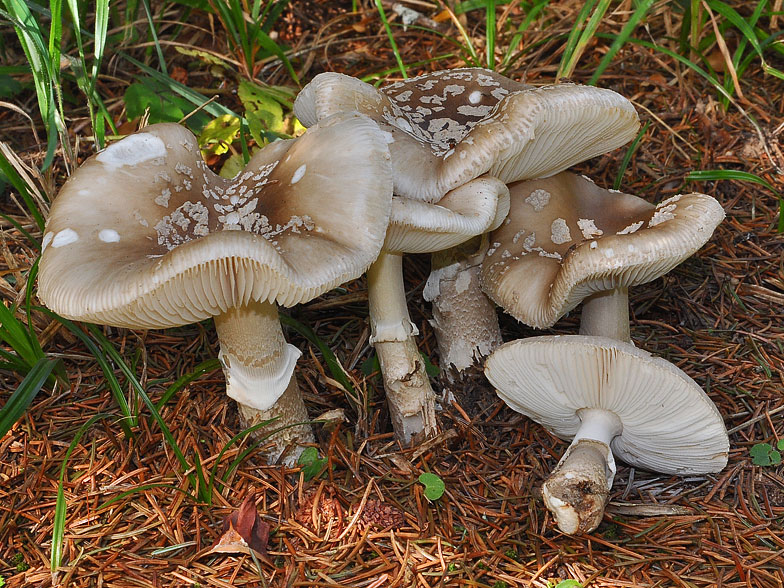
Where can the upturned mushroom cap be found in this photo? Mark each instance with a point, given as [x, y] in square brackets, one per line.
[566, 238]
[451, 126]
[144, 235]
[472, 209]
[669, 424]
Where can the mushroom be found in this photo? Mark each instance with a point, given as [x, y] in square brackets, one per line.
[567, 240]
[420, 227]
[454, 125]
[608, 397]
[145, 235]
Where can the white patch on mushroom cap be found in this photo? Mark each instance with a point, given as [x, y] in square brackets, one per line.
[132, 150]
[662, 214]
[475, 97]
[594, 244]
[163, 198]
[109, 236]
[632, 228]
[538, 199]
[588, 228]
[65, 237]
[559, 232]
[47, 239]
[298, 174]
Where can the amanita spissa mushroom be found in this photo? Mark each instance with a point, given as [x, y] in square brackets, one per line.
[454, 125]
[567, 240]
[609, 398]
[144, 235]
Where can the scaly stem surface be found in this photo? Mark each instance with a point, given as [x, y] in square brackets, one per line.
[464, 319]
[409, 394]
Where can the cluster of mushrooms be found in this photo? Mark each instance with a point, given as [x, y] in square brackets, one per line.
[465, 164]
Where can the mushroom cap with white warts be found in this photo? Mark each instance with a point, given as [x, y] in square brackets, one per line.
[145, 235]
[669, 423]
[472, 209]
[566, 238]
[451, 126]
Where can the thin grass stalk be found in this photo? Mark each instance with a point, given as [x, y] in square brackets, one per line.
[579, 37]
[469, 44]
[627, 157]
[490, 31]
[61, 507]
[108, 347]
[620, 40]
[21, 398]
[521, 29]
[13, 171]
[154, 35]
[44, 79]
[731, 174]
[390, 36]
[128, 420]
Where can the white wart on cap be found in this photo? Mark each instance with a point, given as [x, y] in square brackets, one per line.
[567, 239]
[145, 235]
[451, 126]
[608, 397]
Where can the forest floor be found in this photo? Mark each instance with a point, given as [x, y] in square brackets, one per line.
[133, 517]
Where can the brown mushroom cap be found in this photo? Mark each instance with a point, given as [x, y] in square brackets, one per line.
[451, 126]
[669, 423]
[566, 238]
[145, 235]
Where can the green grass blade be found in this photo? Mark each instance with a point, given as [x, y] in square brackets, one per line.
[21, 187]
[731, 174]
[575, 46]
[490, 33]
[23, 396]
[154, 35]
[204, 367]
[129, 419]
[626, 32]
[32, 41]
[60, 509]
[574, 36]
[628, 156]
[388, 29]
[532, 13]
[332, 362]
[16, 336]
[107, 346]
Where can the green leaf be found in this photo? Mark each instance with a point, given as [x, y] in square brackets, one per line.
[568, 584]
[434, 486]
[311, 463]
[762, 454]
[219, 134]
[164, 105]
[780, 445]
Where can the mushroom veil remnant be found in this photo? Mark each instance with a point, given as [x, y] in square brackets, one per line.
[145, 235]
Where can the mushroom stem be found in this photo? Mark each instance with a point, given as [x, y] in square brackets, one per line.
[606, 314]
[410, 397]
[259, 368]
[579, 487]
[464, 319]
